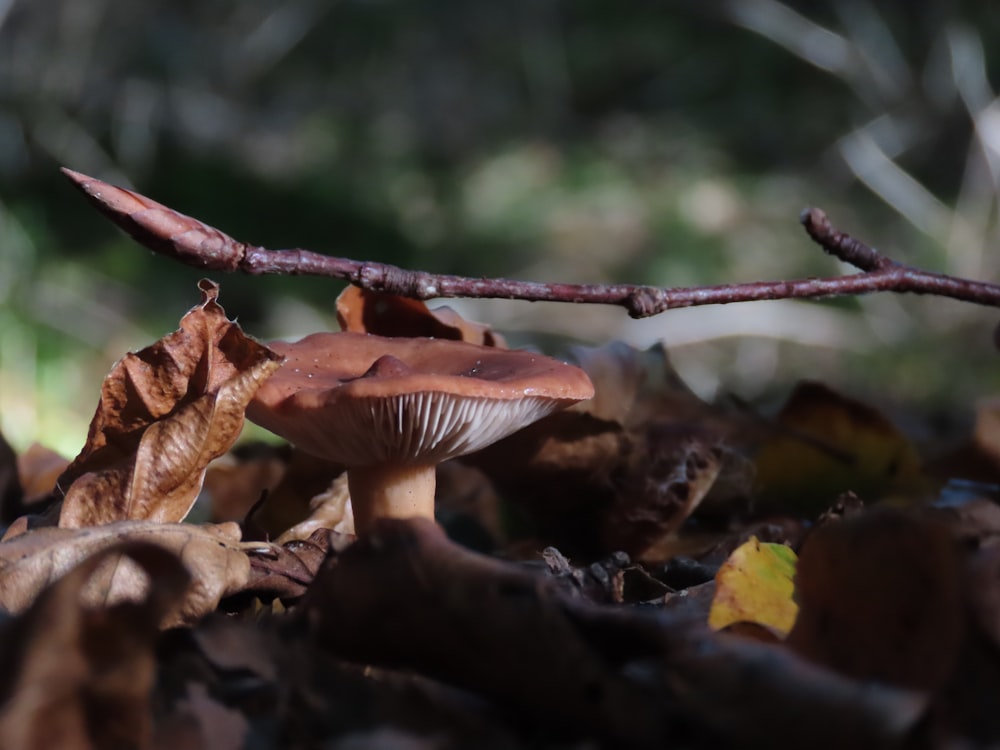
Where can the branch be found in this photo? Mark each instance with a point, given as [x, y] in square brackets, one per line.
[196, 244]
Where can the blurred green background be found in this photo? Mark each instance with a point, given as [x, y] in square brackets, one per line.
[658, 142]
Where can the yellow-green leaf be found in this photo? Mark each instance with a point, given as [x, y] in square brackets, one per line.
[756, 585]
[827, 444]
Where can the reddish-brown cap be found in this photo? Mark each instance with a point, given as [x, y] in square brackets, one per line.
[364, 400]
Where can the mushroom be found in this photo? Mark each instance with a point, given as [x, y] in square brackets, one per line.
[391, 409]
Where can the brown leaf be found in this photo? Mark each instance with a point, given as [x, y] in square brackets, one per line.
[667, 474]
[984, 590]
[623, 470]
[303, 477]
[633, 387]
[208, 724]
[227, 644]
[285, 571]
[364, 311]
[330, 509]
[28, 481]
[978, 457]
[11, 492]
[235, 482]
[39, 468]
[880, 598]
[212, 554]
[165, 412]
[468, 506]
[974, 522]
[80, 678]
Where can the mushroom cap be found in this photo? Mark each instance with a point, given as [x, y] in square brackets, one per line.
[364, 400]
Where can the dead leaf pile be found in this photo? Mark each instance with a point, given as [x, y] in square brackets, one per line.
[644, 571]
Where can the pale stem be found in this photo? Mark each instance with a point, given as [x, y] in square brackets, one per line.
[390, 492]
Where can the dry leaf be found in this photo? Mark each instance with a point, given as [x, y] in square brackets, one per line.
[467, 504]
[984, 589]
[235, 483]
[286, 571]
[880, 598]
[227, 644]
[11, 492]
[633, 387]
[668, 472]
[978, 457]
[39, 468]
[303, 477]
[212, 554]
[623, 470]
[214, 726]
[80, 678]
[364, 311]
[330, 509]
[829, 444]
[756, 585]
[165, 412]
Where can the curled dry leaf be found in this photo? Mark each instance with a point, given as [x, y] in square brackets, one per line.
[212, 554]
[165, 412]
[330, 509]
[285, 571]
[304, 477]
[78, 677]
[364, 311]
[266, 487]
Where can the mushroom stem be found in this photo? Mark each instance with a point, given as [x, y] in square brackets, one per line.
[388, 491]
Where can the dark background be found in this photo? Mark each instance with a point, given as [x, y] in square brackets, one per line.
[656, 142]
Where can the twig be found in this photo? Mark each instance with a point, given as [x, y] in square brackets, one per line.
[196, 244]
